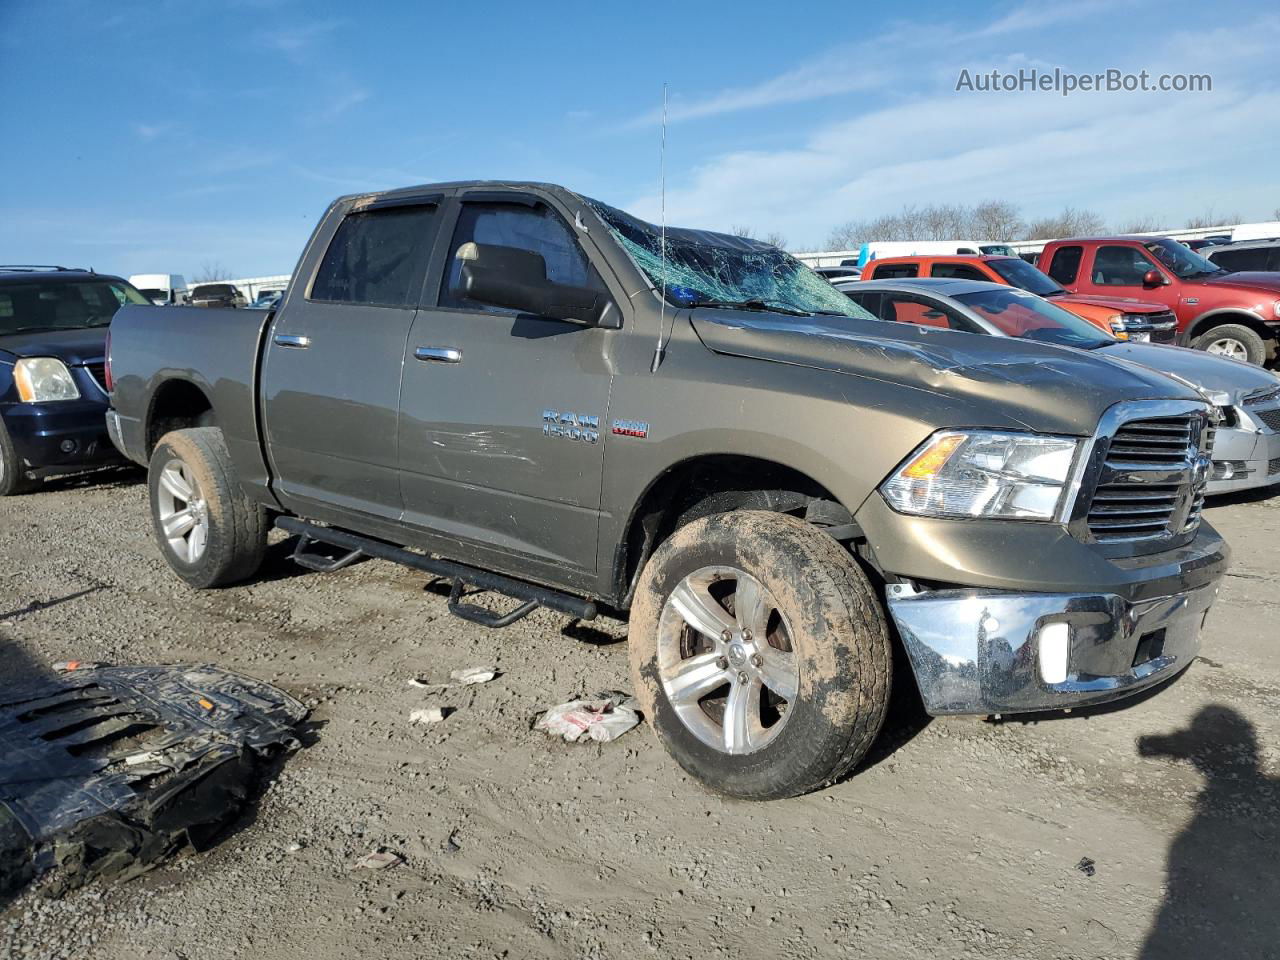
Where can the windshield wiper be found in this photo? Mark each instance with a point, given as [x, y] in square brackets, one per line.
[771, 306]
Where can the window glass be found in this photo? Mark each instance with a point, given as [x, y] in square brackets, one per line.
[909, 308]
[1016, 313]
[1115, 266]
[376, 257]
[1234, 260]
[1019, 273]
[896, 271]
[1065, 264]
[1184, 262]
[538, 229]
[63, 305]
[957, 271]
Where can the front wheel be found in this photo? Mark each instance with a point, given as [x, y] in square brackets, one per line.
[760, 654]
[1236, 341]
[209, 531]
[13, 478]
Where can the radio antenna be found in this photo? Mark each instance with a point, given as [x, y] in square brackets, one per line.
[662, 194]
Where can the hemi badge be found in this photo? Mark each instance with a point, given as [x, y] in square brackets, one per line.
[631, 428]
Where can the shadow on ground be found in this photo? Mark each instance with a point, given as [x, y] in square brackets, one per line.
[1223, 886]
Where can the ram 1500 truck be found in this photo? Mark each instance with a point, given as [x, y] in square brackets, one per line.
[527, 391]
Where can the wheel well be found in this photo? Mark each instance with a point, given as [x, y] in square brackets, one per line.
[716, 484]
[1204, 324]
[177, 404]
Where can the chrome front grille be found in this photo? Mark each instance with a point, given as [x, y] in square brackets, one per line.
[99, 373]
[1151, 478]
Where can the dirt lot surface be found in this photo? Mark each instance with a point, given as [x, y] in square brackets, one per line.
[960, 838]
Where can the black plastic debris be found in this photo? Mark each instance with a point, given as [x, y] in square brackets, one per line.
[1087, 867]
[107, 771]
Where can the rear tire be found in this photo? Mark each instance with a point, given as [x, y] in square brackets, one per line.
[13, 478]
[759, 712]
[1236, 341]
[211, 533]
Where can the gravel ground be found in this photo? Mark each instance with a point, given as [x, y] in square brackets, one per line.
[959, 838]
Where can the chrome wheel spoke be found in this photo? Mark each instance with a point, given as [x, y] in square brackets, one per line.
[196, 541]
[739, 712]
[179, 524]
[691, 680]
[751, 606]
[780, 673]
[700, 610]
[175, 484]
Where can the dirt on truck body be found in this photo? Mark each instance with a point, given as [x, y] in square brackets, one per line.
[516, 387]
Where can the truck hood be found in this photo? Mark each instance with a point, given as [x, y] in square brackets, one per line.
[72, 347]
[1045, 388]
[1209, 372]
[1249, 279]
[1123, 304]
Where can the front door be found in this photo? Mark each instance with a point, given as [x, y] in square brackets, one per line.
[331, 376]
[502, 414]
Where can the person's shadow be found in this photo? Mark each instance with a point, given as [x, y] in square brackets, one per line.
[1223, 895]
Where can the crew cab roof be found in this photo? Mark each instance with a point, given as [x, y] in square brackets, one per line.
[942, 286]
[46, 274]
[426, 188]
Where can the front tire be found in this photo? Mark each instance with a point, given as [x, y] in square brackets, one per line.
[759, 652]
[209, 531]
[1236, 341]
[13, 478]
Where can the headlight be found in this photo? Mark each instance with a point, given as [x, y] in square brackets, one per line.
[41, 379]
[1119, 327]
[984, 474]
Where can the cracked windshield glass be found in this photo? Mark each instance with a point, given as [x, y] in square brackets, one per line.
[714, 269]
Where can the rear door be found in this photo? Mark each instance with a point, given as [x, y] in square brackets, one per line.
[502, 414]
[331, 376]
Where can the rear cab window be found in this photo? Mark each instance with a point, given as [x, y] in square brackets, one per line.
[896, 271]
[377, 257]
[1065, 264]
[958, 271]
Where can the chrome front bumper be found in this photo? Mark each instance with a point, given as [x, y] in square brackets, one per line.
[1250, 455]
[980, 652]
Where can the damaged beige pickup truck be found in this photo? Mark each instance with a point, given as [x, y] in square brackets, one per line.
[525, 390]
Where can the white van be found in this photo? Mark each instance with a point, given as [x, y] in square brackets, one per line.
[933, 248]
[160, 288]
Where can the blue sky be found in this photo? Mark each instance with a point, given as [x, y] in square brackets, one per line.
[164, 136]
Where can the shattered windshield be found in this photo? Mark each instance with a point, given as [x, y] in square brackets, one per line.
[715, 269]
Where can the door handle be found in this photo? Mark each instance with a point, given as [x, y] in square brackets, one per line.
[289, 340]
[438, 354]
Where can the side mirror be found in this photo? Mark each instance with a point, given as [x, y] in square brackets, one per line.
[517, 279]
[1152, 278]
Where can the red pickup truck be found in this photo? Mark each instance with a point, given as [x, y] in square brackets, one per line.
[1233, 314]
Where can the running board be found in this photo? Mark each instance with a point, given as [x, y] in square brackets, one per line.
[531, 595]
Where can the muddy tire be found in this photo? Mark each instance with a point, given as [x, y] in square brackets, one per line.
[209, 531]
[13, 479]
[760, 655]
[1236, 341]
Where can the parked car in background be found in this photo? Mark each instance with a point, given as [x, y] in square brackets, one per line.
[1234, 314]
[217, 295]
[838, 273]
[469, 371]
[53, 386]
[1246, 451]
[1246, 256]
[1201, 244]
[1126, 318]
[161, 288]
[907, 248]
[267, 301]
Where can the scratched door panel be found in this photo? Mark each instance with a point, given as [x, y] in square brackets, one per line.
[503, 448]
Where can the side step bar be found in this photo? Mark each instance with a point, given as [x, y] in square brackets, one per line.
[532, 596]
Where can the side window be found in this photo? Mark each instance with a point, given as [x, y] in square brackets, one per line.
[896, 271]
[538, 229]
[1065, 264]
[376, 257]
[958, 271]
[868, 301]
[1120, 267]
[1234, 260]
[905, 308]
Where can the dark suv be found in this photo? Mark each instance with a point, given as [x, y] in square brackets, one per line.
[217, 295]
[53, 382]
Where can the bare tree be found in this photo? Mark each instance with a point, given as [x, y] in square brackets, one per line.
[996, 220]
[212, 271]
[1147, 224]
[740, 231]
[1211, 219]
[775, 239]
[1069, 223]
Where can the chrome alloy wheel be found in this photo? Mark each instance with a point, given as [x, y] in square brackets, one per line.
[184, 517]
[1229, 347]
[726, 661]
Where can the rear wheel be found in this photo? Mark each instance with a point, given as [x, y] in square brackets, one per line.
[1236, 341]
[209, 531]
[760, 654]
[13, 477]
